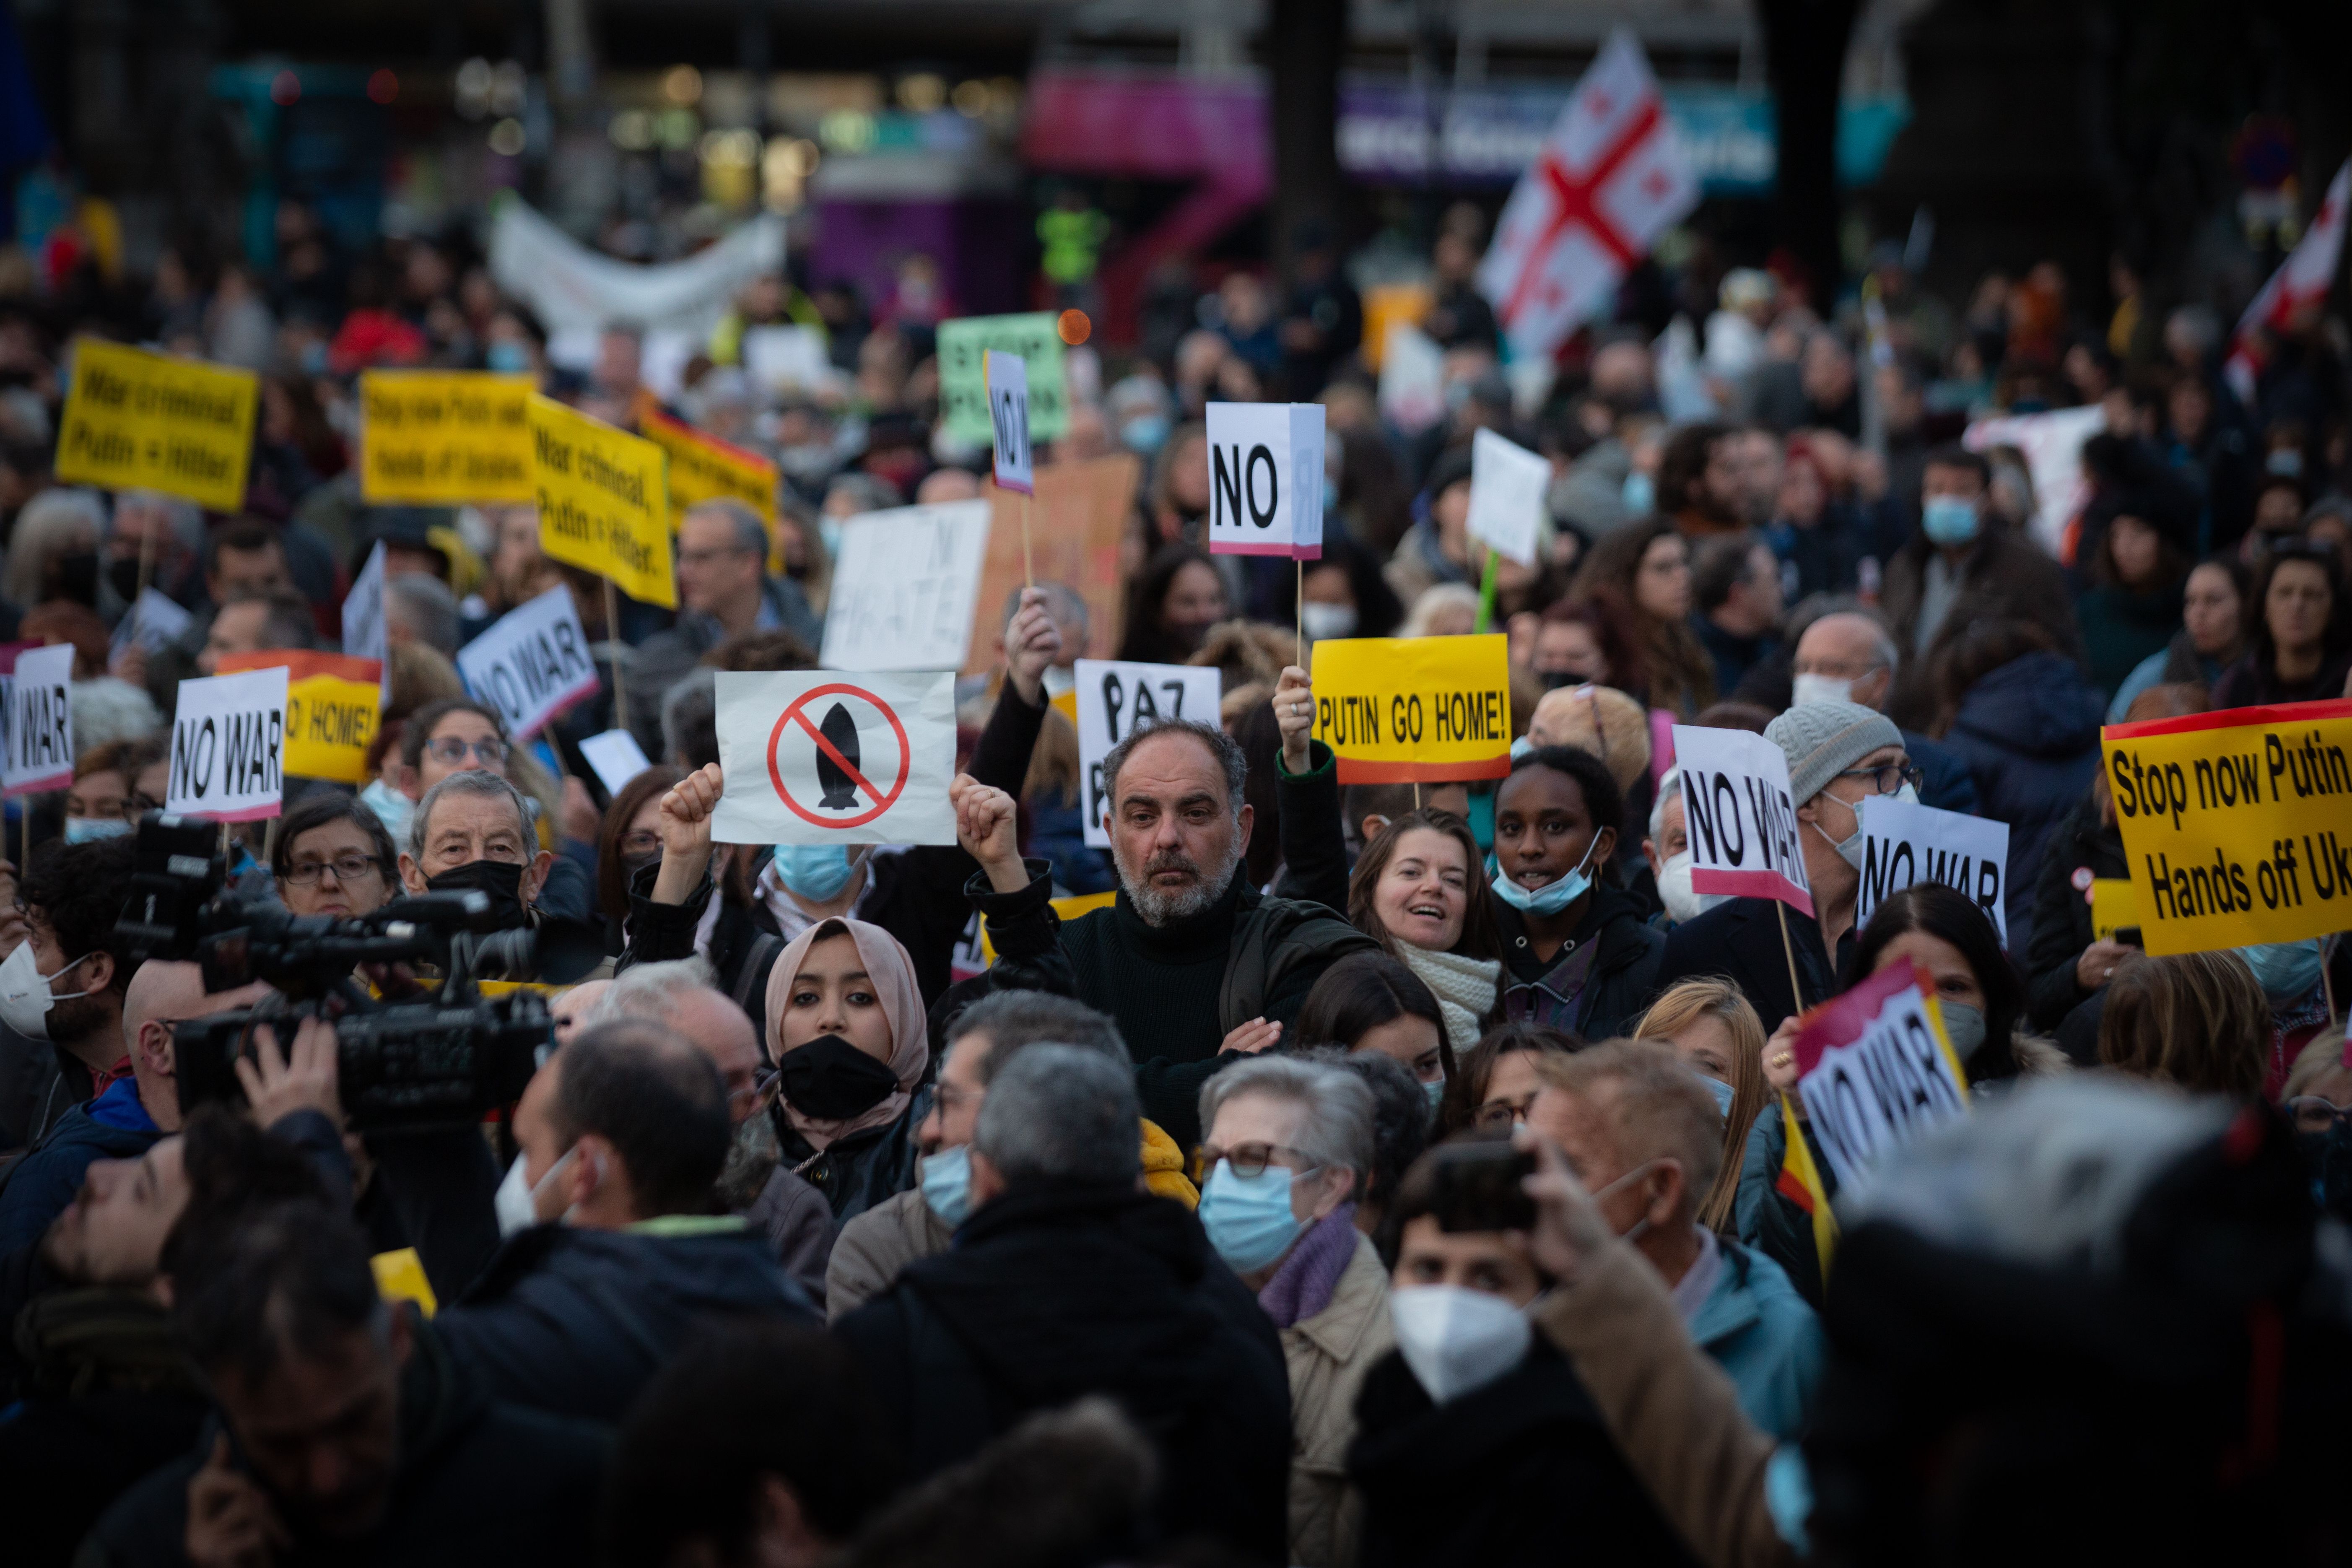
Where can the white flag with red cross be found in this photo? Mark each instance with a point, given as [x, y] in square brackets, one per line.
[1611, 177]
[2301, 283]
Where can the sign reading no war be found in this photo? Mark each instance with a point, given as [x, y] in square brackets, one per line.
[532, 663]
[36, 747]
[1415, 709]
[1904, 843]
[1874, 1070]
[229, 747]
[1115, 696]
[1743, 826]
[333, 701]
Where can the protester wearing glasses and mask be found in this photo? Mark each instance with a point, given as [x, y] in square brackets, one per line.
[334, 858]
[460, 735]
[114, 785]
[1840, 755]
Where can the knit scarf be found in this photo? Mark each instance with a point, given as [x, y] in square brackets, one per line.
[1302, 1287]
[1464, 988]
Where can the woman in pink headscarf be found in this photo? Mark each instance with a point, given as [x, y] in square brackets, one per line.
[848, 1024]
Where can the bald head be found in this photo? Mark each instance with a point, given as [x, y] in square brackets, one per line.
[674, 995]
[162, 994]
[1851, 648]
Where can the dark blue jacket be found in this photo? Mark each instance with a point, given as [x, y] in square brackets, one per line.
[1945, 781]
[2030, 734]
[114, 1126]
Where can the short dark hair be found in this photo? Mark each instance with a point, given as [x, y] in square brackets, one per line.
[232, 1166]
[1723, 565]
[1952, 454]
[79, 891]
[657, 1099]
[704, 1434]
[421, 724]
[1604, 801]
[1360, 993]
[1013, 1019]
[322, 809]
[1681, 467]
[1227, 753]
[246, 537]
[282, 1276]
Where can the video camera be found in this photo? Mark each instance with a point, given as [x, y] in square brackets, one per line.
[443, 1059]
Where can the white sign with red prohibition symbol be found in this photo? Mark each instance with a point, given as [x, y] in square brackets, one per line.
[824, 757]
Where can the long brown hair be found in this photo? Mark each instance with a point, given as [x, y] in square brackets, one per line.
[1481, 936]
[1682, 1005]
[612, 878]
[1670, 668]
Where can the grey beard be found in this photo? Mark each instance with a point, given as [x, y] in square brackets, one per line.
[752, 1159]
[1158, 908]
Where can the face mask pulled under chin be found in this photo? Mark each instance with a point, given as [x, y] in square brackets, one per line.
[25, 998]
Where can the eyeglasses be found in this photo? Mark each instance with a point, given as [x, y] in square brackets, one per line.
[1502, 1115]
[644, 841]
[1886, 779]
[951, 1100]
[2317, 1113]
[130, 808]
[345, 867]
[1247, 1159]
[490, 750]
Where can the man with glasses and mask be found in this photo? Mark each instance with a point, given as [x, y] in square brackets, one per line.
[1840, 755]
[460, 735]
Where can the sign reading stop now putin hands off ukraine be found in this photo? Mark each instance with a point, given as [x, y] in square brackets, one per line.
[603, 501]
[2237, 824]
[136, 420]
[434, 437]
[1414, 709]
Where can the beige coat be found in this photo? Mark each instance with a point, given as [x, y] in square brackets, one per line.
[1328, 1356]
[875, 1248]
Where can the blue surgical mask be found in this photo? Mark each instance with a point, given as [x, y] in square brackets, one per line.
[1435, 1090]
[1553, 897]
[83, 829]
[1722, 1091]
[946, 1184]
[507, 358]
[814, 871]
[828, 532]
[1641, 493]
[1963, 1027]
[1947, 519]
[2288, 970]
[1144, 434]
[391, 807]
[1248, 1219]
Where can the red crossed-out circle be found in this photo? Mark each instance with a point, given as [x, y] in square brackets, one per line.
[883, 799]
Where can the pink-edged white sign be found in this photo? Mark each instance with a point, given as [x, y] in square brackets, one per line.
[36, 747]
[1265, 479]
[1742, 824]
[229, 747]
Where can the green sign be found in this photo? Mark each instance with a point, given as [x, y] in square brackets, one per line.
[963, 384]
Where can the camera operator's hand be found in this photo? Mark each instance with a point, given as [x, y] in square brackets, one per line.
[686, 834]
[278, 1085]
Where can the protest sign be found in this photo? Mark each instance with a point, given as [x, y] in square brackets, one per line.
[1078, 517]
[1033, 335]
[603, 501]
[817, 757]
[444, 438]
[334, 701]
[136, 420]
[1507, 496]
[1412, 378]
[228, 746]
[531, 663]
[1114, 696]
[786, 358]
[1408, 710]
[363, 631]
[155, 622]
[36, 745]
[1016, 466]
[1874, 1070]
[1743, 826]
[904, 587]
[703, 467]
[1904, 843]
[2237, 824]
[2115, 906]
[1265, 479]
[616, 757]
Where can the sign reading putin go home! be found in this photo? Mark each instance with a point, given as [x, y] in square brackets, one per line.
[603, 501]
[1407, 709]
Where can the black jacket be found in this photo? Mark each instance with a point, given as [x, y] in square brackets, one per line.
[1504, 1475]
[2062, 911]
[1623, 981]
[857, 1172]
[477, 1482]
[1056, 1291]
[575, 1320]
[1742, 941]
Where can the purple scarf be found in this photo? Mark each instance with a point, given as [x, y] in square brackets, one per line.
[1302, 1287]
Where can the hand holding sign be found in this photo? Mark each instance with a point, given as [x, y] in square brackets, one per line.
[1032, 642]
[685, 826]
[1294, 715]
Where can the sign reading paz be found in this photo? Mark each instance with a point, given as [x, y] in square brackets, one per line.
[603, 501]
[1904, 843]
[136, 420]
[1414, 709]
[816, 757]
[2237, 824]
[905, 587]
[444, 438]
[333, 702]
[37, 750]
[532, 663]
[1874, 1070]
[1113, 698]
[1265, 479]
[1743, 826]
[229, 747]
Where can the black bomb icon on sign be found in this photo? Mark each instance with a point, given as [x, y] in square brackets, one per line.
[838, 756]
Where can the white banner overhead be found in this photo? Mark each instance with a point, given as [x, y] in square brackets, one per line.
[573, 289]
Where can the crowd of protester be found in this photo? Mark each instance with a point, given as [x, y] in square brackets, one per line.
[1388, 1174]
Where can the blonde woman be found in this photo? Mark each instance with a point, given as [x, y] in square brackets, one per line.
[1718, 1036]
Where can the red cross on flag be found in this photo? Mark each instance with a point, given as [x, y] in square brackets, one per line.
[2301, 282]
[1612, 176]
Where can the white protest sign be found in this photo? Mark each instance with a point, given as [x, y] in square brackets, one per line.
[155, 622]
[616, 757]
[532, 662]
[1875, 1071]
[229, 747]
[363, 629]
[819, 757]
[1904, 843]
[1265, 479]
[1113, 697]
[1008, 418]
[1507, 496]
[786, 358]
[1742, 824]
[1412, 378]
[905, 587]
[37, 748]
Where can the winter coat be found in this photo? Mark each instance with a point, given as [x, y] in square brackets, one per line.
[1944, 780]
[2121, 627]
[857, 1172]
[2078, 850]
[575, 1320]
[1328, 1356]
[2030, 734]
[1618, 988]
[37, 1188]
[875, 1248]
[2006, 577]
[2177, 663]
[797, 1224]
[2254, 683]
[1739, 939]
[1761, 1332]
[1055, 1290]
[665, 659]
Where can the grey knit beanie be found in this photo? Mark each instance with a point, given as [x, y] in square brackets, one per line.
[1822, 740]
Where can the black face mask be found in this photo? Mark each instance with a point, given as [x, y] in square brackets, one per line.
[832, 1081]
[74, 576]
[1554, 679]
[124, 575]
[500, 882]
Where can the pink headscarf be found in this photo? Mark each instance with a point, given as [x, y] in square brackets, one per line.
[892, 975]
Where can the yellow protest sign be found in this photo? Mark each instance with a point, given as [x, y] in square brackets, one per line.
[704, 467]
[433, 438]
[136, 420]
[1069, 909]
[1406, 709]
[2238, 825]
[399, 1276]
[603, 501]
[332, 703]
[2113, 906]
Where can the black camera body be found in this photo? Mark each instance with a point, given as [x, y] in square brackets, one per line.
[444, 1058]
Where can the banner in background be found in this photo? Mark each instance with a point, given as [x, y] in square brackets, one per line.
[1034, 336]
[603, 501]
[1406, 709]
[904, 585]
[571, 288]
[136, 420]
[333, 702]
[436, 437]
[1076, 520]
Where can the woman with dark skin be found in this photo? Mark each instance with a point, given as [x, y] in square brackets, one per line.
[1576, 950]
